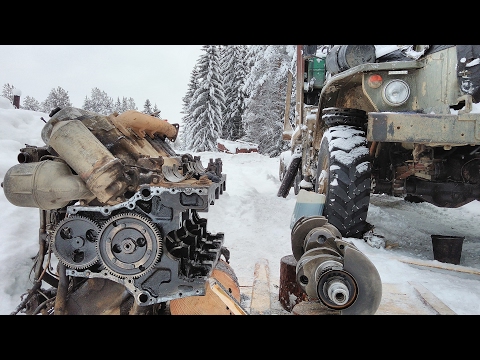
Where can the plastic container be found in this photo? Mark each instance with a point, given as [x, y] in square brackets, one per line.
[308, 203]
[447, 249]
[316, 70]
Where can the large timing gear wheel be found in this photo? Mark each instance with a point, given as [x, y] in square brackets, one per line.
[129, 245]
[73, 242]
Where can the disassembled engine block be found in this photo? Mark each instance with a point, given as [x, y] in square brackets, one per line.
[118, 203]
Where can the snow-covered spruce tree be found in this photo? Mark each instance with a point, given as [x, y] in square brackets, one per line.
[266, 88]
[234, 72]
[100, 102]
[7, 92]
[203, 126]
[186, 100]
[131, 104]
[254, 55]
[124, 106]
[156, 111]
[58, 97]
[147, 107]
[117, 107]
[30, 103]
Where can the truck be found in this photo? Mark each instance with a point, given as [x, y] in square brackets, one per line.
[400, 120]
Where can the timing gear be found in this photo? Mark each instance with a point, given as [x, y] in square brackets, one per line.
[129, 245]
[73, 242]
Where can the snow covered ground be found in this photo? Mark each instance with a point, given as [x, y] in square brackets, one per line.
[256, 224]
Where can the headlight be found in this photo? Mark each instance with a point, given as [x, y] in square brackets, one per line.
[396, 92]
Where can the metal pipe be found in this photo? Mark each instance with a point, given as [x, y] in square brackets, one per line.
[60, 301]
[142, 124]
[42, 236]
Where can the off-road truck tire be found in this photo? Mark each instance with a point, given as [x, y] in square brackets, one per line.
[344, 116]
[344, 177]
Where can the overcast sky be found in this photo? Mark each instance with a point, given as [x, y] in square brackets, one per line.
[159, 73]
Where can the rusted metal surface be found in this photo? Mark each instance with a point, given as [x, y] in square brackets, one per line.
[47, 185]
[427, 129]
[143, 124]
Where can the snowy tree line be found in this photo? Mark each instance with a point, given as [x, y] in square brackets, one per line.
[235, 92]
[98, 102]
[238, 92]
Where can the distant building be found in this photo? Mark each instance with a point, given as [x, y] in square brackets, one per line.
[236, 147]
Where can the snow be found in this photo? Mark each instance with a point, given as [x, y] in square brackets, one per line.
[473, 62]
[381, 50]
[5, 103]
[256, 226]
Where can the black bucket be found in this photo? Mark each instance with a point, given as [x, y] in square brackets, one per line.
[447, 249]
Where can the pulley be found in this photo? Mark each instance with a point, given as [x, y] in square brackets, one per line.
[332, 270]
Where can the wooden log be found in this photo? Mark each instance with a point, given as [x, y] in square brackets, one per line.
[260, 303]
[289, 293]
[313, 308]
[210, 303]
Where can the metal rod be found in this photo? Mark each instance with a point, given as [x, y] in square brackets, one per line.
[60, 301]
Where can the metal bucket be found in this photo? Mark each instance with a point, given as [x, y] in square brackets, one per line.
[447, 249]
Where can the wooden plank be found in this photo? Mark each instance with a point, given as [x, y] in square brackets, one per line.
[287, 128]
[431, 300]
[232, 304]
[260, 302]
[443, 266]
[402, 299]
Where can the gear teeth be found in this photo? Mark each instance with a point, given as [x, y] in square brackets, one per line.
[156, 238]
[61, 257]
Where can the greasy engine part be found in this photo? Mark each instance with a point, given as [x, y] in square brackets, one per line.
[332, 270]
[119, 215]
[45, 184]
